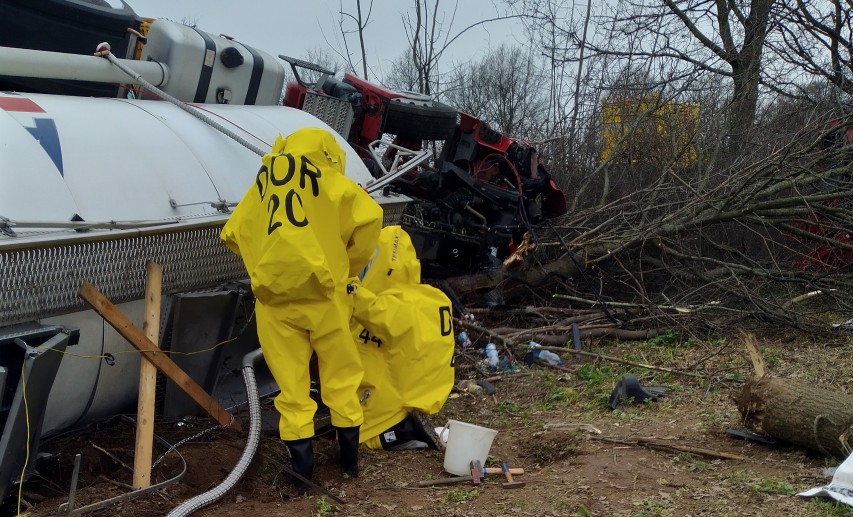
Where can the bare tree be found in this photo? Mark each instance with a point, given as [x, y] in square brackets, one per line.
[725, 37]
[423, 31]
[339, 43]
[817, 38]
[502, 88]
[402, 75]
[553, 28]
[429, 31]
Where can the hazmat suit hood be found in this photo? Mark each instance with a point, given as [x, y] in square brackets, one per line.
[400, 266]
[318, 145]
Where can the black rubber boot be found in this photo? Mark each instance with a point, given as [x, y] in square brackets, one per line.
[348, 450]
[411, 433]
[301, 462]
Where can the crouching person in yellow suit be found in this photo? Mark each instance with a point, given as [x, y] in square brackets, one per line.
[404, 331]
[303, 229]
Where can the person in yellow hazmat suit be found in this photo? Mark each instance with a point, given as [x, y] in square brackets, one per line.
[303, 231]
[404, 331]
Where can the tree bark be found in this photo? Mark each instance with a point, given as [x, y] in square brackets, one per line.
[488, 280]
[746, 74]
[798, 413]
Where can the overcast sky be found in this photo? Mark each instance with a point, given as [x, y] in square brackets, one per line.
[293, 27]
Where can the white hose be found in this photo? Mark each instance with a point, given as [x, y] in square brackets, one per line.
[200, 501]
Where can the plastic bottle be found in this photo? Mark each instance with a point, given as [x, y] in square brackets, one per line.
[462, 340]
[545, 355]
[549, 357]
[492, 355]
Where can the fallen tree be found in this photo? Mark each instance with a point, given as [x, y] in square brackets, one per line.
[798, 413]
[747, 240]
[795, 412]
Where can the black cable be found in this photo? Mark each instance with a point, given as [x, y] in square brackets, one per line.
[455, 301]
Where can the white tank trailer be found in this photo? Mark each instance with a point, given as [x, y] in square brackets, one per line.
[91, 189]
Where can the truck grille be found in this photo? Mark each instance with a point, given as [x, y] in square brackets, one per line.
[334, 112]
[41, 282]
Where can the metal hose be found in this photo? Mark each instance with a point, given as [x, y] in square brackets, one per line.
[104, 51]
[200, 501]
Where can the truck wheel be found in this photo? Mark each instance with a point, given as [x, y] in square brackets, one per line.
[433, 121]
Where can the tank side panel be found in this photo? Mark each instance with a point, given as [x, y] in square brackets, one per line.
[123, 164]
[32, 186]
[78, 372]
[138, 160]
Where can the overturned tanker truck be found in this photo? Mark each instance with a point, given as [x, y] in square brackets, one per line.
[99, 175]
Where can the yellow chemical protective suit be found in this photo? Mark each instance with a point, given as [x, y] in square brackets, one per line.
[404, 331]
[303, 229]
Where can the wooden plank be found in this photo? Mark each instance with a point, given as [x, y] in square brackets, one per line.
[137, 338]
[147, 381]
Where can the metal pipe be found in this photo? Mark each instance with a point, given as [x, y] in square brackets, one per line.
[74, 477]
[22, 62]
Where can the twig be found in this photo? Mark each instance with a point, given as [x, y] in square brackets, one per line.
[535, 311]
[112, 457]
[621, 361]
[564, 427]
[509, 343]
[505, 375]
[496, 337]
[624, 334]
[797, 299]
[675, 308]
[657, 444]
[581, 318]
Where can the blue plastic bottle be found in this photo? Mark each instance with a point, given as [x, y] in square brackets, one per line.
[462, 340]
[545, 355]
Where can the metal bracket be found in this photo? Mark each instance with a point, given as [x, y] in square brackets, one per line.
[6, 228]
[398, 168]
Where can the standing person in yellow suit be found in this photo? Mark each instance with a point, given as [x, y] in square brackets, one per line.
[303, 231]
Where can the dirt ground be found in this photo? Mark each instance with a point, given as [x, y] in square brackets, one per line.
[570, 470]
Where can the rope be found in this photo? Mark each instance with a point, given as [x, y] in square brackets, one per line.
[104, 51]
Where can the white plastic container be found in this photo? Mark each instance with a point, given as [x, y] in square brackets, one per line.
[466, 443]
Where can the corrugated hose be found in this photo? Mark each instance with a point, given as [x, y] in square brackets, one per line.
[211, 496]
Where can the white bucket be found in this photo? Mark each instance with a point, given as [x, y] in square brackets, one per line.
[466, 443]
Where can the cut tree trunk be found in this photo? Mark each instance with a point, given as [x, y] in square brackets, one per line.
[529, 274]
[798, 413]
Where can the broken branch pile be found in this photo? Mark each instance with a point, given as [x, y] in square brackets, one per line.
[764, 236]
